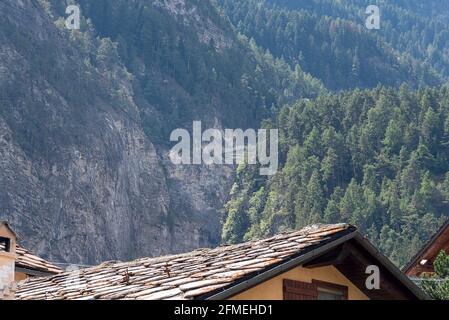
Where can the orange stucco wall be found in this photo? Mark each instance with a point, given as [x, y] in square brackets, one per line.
[272, 289]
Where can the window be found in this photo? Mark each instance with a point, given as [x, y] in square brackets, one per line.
[5, 244]
[330, 291]
[317, 290]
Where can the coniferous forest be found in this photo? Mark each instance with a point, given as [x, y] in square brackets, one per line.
[375, 158]
[375, 155]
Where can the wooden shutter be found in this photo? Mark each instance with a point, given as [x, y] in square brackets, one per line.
[297, 290]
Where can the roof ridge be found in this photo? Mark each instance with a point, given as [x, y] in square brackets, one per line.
[194, 252]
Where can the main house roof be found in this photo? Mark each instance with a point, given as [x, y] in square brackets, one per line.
[201, 274]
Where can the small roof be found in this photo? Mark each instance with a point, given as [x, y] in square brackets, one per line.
[201, 274]
[28, 262]
[439, 241]
[31, 263]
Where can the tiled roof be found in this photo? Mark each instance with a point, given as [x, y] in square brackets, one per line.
[184, 276]
[27, 260]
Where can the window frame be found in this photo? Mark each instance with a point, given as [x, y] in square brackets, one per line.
[6, 244]
[332, 287]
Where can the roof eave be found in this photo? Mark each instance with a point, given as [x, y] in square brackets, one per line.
[408, 267]
[34, 272]
[308, 256]
[395, 271]
[279, 269]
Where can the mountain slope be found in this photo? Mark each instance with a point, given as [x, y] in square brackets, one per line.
[375, 158]
[78, 176]
[329, 40]
[415, 28]
[86, 118]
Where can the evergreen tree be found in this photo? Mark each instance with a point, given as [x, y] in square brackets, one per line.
[437, 286]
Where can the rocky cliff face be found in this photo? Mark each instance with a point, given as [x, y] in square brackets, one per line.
[80, 180]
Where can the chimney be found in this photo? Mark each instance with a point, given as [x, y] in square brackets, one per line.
[7, 260]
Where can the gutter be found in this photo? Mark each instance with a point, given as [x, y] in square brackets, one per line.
[284, 267]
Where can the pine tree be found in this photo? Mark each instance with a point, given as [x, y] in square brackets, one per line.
[437, 286]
